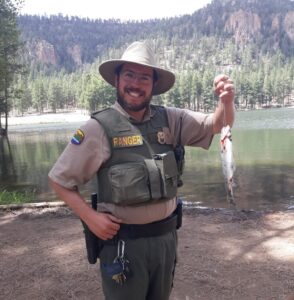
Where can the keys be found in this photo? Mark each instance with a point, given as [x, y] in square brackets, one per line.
[120, 277]
[119, 269]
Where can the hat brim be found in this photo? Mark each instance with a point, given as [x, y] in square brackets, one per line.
[166, 79]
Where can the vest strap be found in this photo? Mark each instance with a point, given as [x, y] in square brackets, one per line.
[154, 178]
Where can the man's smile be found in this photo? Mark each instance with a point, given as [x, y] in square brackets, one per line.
[134, 93]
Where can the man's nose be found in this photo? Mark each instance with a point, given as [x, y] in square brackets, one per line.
[136, 80]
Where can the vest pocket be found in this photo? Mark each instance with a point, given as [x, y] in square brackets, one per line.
[167, 165]
[129, 183]
[134, 183]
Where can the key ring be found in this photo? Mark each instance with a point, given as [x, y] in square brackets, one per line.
[120, 248]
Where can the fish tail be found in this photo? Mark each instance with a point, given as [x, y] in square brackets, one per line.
[230, 193]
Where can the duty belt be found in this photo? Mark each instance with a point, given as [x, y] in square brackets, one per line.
[135, 231]
[94, 244]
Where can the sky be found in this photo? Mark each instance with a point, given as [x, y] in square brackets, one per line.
[113, 9]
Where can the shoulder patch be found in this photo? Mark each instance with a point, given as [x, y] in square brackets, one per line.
[78, 137]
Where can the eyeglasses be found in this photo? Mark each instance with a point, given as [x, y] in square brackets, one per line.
[130, 77]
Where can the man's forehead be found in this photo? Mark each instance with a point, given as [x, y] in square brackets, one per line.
[137, 68]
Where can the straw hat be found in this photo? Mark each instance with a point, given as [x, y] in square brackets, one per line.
[139, 53]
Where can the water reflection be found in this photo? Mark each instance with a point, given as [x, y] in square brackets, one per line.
[33, 155]
[267, 187]
[7, 166]
[264, 175]
[281, 118]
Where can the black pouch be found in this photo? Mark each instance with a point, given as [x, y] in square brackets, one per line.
[94, 244]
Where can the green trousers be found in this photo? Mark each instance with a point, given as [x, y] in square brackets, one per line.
[152, 263]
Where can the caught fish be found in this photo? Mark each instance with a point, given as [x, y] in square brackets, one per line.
[227, 159]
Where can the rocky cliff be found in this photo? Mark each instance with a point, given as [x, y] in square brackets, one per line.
[71, 42]
[245, 26]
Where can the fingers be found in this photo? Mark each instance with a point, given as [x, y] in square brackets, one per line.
[114, 219]
[104, 225]
[220, 78]
[109, 226]
[112, 227]
[224, 86]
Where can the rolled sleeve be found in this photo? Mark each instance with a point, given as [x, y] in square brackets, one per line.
[79, 163]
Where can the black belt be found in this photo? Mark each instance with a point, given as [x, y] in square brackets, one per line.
[135, 231]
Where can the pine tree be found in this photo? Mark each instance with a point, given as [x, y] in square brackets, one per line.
[9, 67]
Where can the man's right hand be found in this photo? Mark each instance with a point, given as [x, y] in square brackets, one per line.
[103, 225]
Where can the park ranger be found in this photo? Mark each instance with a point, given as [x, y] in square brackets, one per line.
[133, 149]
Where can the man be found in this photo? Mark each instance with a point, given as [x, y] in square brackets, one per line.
[130, 148]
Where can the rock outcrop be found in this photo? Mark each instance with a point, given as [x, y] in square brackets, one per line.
[244, 25]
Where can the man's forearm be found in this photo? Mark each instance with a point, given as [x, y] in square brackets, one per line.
[73, 199]
[223, 115]
[102, 225]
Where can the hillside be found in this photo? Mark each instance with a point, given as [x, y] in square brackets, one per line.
[250, 40]
[69, 42]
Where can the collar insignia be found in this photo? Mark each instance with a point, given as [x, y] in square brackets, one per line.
[161, 137]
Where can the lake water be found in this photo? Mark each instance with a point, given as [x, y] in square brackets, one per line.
[263, 142]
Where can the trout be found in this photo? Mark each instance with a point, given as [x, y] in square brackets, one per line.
[228, 165]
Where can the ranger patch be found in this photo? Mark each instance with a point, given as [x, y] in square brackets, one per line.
[127, 141]
[78, 137]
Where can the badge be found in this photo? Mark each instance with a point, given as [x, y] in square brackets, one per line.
[78, 137]
[161, 137]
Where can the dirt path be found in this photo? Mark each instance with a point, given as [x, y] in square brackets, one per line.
[222, 255]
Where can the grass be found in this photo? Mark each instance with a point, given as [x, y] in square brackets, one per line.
[16, 197]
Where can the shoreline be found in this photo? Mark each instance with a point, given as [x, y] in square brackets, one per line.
[45, 118]
[187, 209]
[65, 117]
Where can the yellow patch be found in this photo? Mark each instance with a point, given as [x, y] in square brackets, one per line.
[127, 141]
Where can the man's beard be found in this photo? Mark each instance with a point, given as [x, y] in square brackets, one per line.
[132, 107]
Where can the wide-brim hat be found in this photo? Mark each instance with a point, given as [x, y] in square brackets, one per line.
[139, 53]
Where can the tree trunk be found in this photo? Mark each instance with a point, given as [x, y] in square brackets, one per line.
[6, 109]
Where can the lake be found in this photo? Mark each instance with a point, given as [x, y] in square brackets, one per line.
[263, 142]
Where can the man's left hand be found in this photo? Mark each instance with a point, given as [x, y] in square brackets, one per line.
[224, 88]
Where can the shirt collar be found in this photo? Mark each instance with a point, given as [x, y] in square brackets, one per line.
[148, 114]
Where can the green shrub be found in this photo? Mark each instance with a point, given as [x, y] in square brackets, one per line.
[16, 197]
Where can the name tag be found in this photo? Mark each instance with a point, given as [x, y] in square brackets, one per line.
[127, 141]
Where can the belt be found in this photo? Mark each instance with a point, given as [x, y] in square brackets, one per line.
[135, 231]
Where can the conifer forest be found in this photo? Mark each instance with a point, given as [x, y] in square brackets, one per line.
[50, 63]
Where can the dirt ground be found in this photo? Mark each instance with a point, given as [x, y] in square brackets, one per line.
[222, 255]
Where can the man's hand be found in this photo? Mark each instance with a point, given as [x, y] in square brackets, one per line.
[224, 88]
[225, 112]
[103, 225]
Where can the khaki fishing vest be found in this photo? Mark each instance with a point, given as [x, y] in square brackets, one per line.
[142, 167]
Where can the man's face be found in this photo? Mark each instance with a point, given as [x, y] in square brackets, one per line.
[134, 87]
